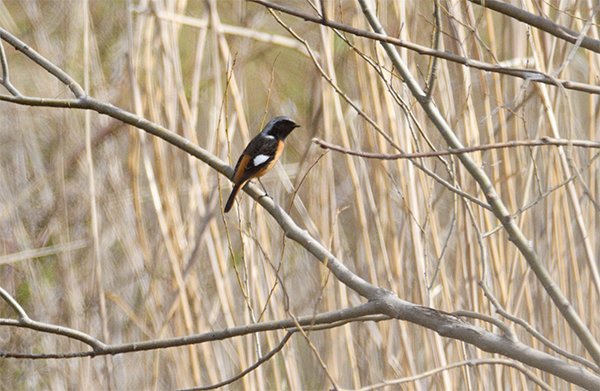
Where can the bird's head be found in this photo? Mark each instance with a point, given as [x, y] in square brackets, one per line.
[280, 127]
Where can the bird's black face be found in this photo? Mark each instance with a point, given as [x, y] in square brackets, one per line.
[280, 127]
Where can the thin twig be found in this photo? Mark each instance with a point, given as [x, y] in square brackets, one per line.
[13, 303]
[541, 197]
[25, 321]
[5, 80]
[430, 86]
[539, 336]
[415, 155]
[475, 362]
[251, 368]
[486, 318]
[315, 351]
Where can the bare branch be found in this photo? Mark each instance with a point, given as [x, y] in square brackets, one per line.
[521, 322]
[337, 317]
[5, 79]
[508, 333]
[449, 326]
[25, 321]
[522, 73]
[484, 361]
[251, 368]
[43, 102]
[539, 22]
[43, 62]
[13, 303]
[544, 141]
[430, 86]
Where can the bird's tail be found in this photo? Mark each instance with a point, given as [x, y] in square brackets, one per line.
[236, 189]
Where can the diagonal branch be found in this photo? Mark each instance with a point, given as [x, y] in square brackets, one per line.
[43, 62]
[246, 371]
[540, 23]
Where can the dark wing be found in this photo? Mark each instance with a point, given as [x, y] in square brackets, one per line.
[259, 153]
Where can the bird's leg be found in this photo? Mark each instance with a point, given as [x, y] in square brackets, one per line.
[263, 186]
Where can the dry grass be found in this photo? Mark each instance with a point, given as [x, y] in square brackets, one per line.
[145, 253]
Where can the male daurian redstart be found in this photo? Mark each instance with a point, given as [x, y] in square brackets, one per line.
[261, 154]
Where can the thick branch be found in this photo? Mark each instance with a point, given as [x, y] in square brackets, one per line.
[450, 326]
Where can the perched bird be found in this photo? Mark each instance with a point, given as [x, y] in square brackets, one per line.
[260, 154]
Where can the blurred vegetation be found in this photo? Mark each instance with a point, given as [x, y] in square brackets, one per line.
[170, 264]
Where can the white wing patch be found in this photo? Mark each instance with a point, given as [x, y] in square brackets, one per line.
[259, 159]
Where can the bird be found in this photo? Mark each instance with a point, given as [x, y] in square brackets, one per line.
[261, 154]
